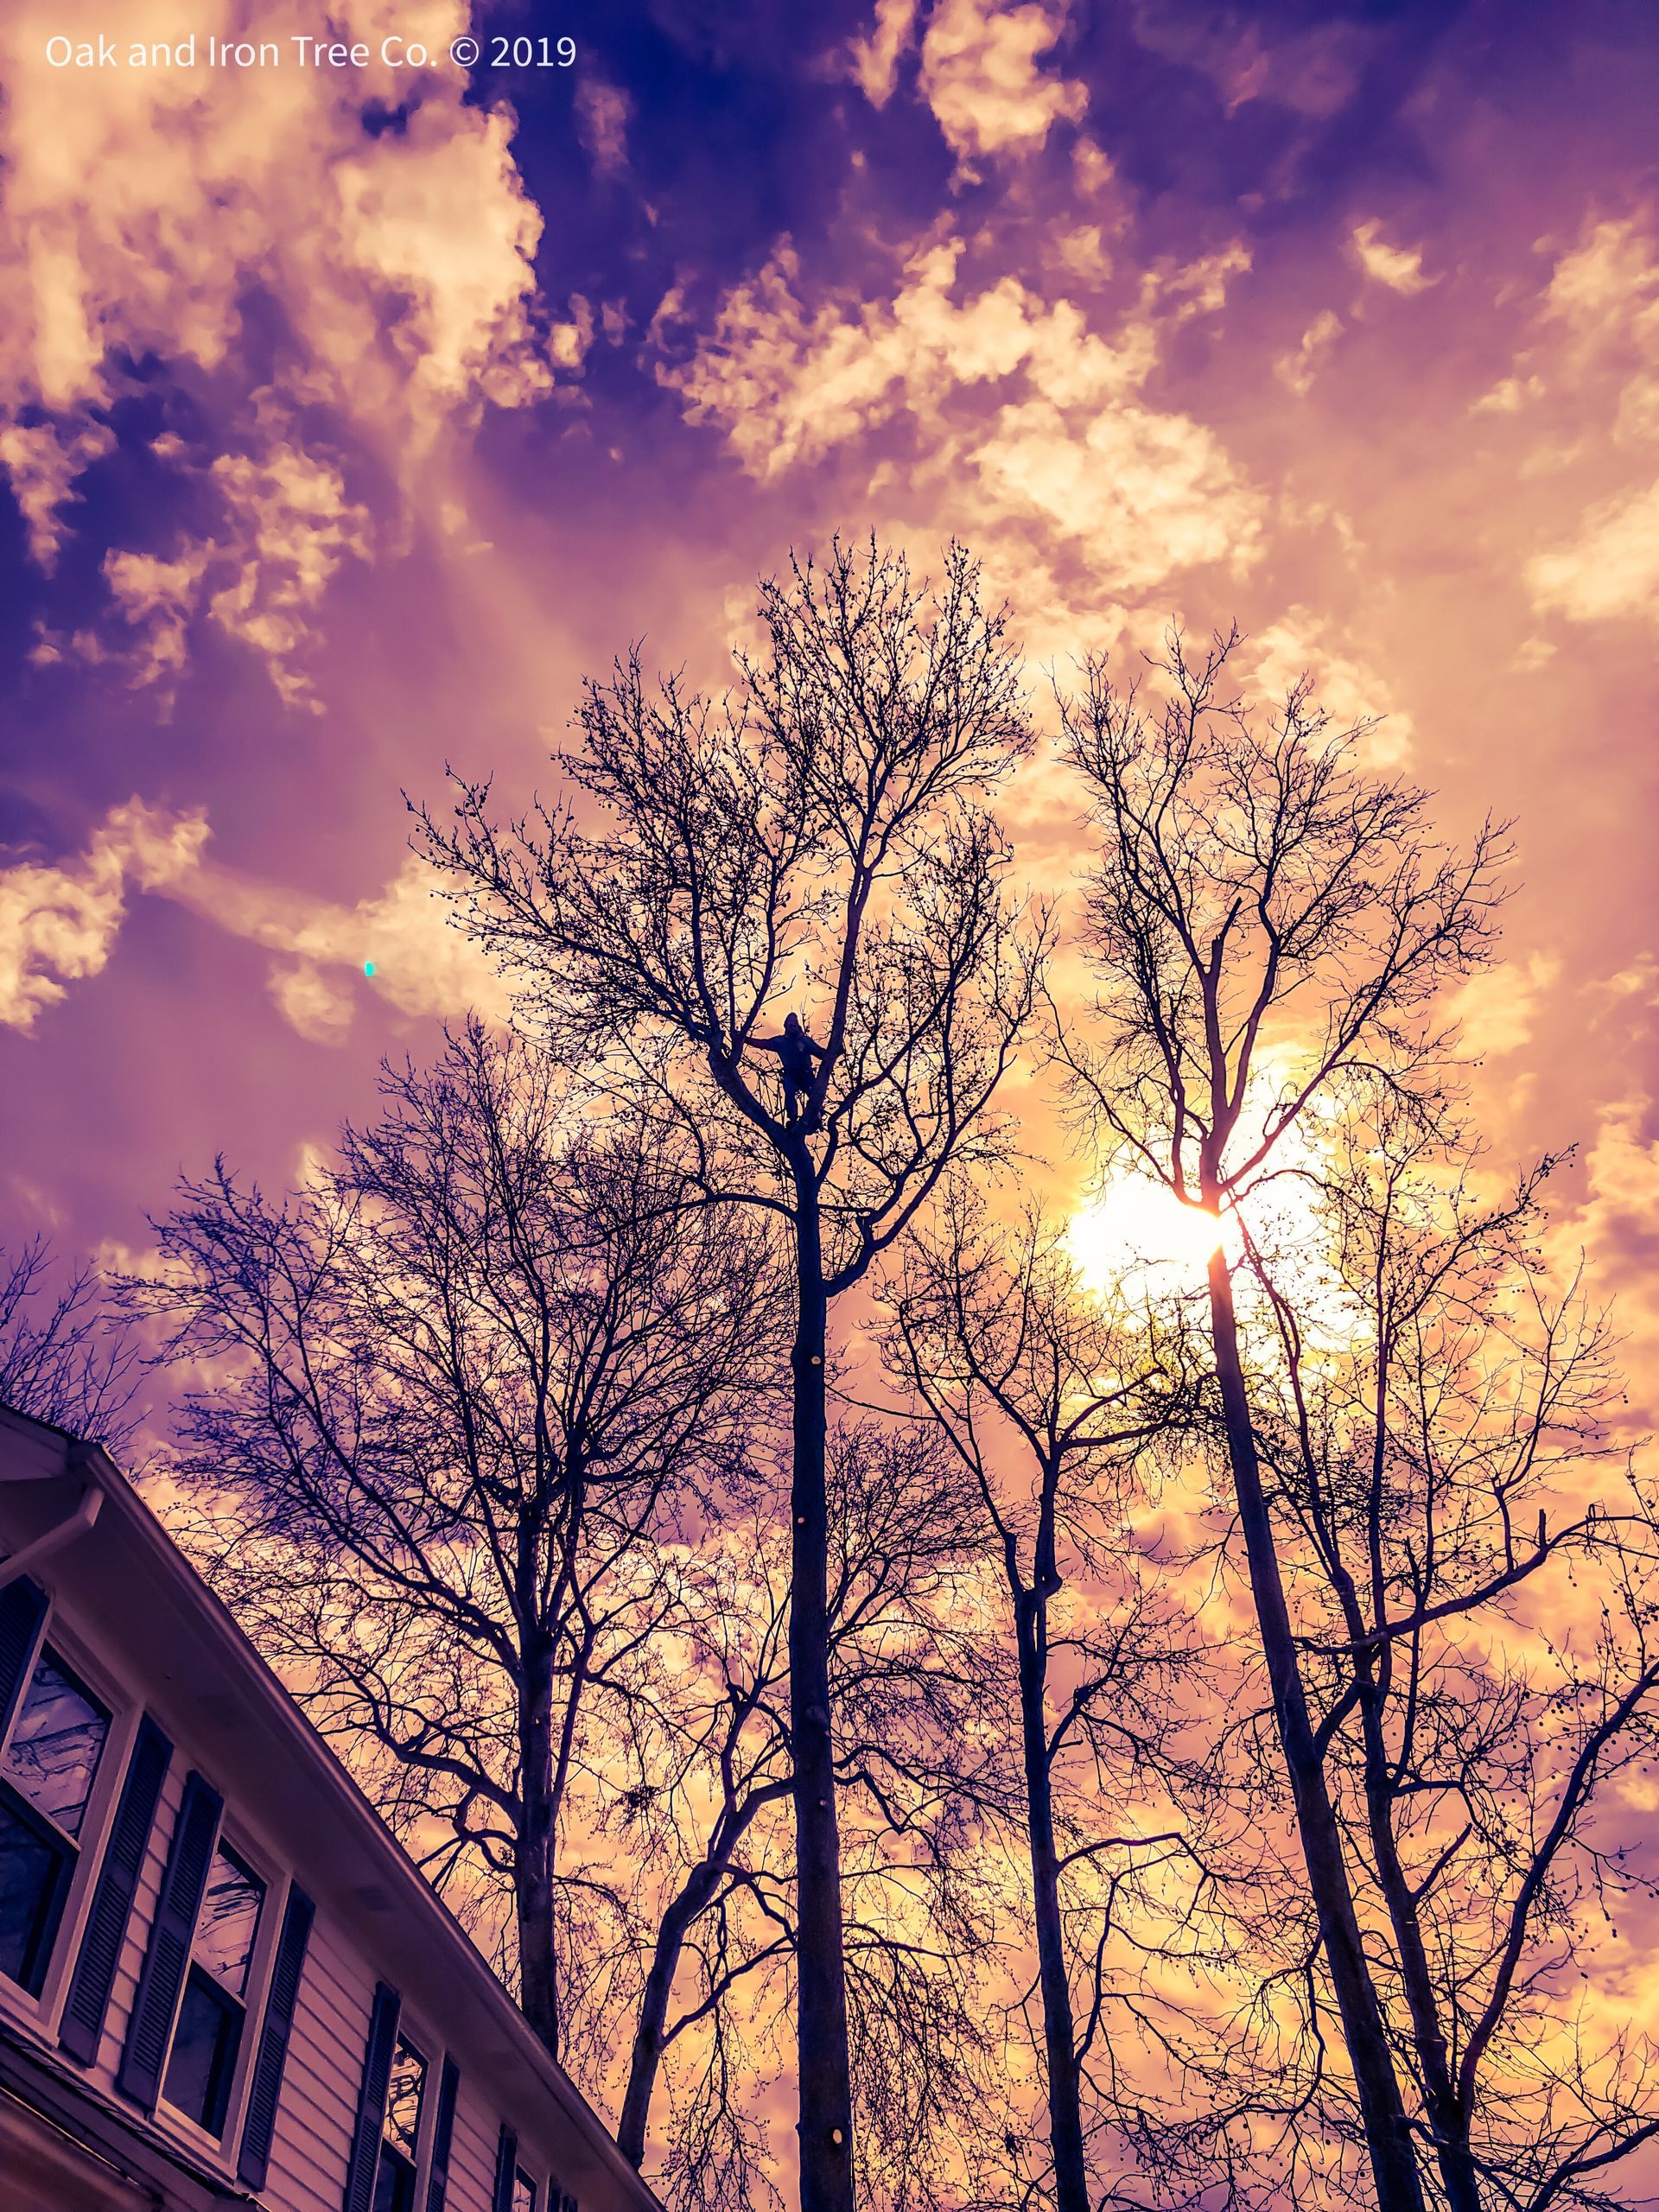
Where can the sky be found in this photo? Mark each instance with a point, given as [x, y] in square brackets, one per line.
[349, 413]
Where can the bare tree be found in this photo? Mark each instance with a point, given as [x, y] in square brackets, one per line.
[460, 1383]
[1013, 1361]
[914, 1676]
[65, 1356]
[1439, 1430]
[820, 833]
[916, 1762]
[1265, 916]
[700, 1814]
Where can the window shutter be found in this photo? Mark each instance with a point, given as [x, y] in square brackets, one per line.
[23, 1610]
[170, 1938]
[443, 2130]
[506, 2158]
[117, 1879]
[371, 2101]
[284, 1996]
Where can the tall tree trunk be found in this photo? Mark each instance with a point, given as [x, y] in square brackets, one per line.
[1388, 2141]
[1064, 2110]
[647, 2056]
[1446, 2117]
[826, 2101]
[533, 1862]
[1373, 1676]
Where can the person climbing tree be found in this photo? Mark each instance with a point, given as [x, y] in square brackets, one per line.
[830, 820]
[795, 1052]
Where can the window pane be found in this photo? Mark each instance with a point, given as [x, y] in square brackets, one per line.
[403, 2099]
[54, 1748]
[523, 2192]
[33, 1879]
[230, 1919]
[204, 2053]
[394, 2183]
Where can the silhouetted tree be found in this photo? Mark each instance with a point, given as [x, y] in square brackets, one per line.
[1266, 916]
[918, 1760]
[820, 832]
[1048, 1397]
[716, 1766]
[65, 1356]
[1480, 1629]
[460, 1385]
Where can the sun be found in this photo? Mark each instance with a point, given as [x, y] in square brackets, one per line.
[1135, 1240]
[1135, 1236]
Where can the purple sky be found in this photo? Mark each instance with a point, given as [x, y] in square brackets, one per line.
[349, 415]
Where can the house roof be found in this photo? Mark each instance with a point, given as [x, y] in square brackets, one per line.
[185, 1654]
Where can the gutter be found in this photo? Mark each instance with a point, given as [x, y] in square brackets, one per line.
[82, 2117]
[75, 1523]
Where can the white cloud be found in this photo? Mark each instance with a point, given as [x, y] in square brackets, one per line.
[1020, 413]
[143, 209]
[1596, 333]
[1148, 493]
[288, 526]
[875, 60]
[1614, 1228]
[1297, 370]
[1593, 352]
[1399, 268]
[1605, 290]
[157, 598]
[1348, 687]
[1497, 1008]
[58, 924]
[319, 1006]
[42, 462]
[982, 76]
[423, 965]
[1604, 299]
[1611, 568]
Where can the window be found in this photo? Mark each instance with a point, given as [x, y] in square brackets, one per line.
[46, 1779]
[524, 2191]
[394, 2181]
[211, 2013]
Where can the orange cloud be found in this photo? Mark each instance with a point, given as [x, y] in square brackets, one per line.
[1023, 417]
[981, 74]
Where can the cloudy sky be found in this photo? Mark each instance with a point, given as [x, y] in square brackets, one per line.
[349, 414]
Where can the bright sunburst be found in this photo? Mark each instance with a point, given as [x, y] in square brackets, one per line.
[1135, 1236]
[1134, 1239]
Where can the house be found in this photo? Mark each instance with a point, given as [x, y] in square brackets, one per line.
[221, 1980]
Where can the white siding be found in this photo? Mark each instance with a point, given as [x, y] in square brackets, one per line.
[322, 2080]
[472, 2154]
